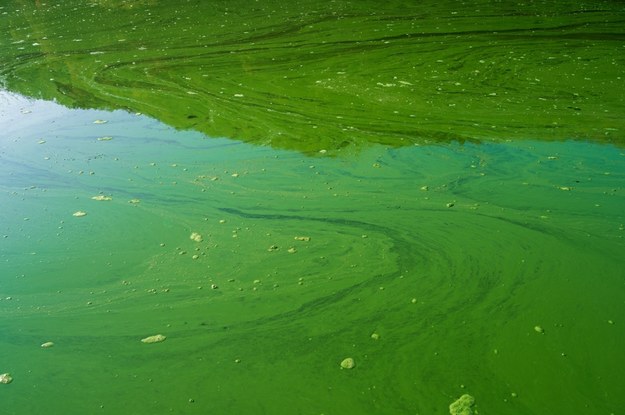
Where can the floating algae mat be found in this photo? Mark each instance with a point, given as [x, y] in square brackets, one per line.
[343, 72]
[434, 221]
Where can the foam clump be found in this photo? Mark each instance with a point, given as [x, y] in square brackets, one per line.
[463, 406]
[157, 338]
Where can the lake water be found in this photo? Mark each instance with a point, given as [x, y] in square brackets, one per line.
[433, 189]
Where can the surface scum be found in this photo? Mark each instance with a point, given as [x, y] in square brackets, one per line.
[434, 226]
[312, 75]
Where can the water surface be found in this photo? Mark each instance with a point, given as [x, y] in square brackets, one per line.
[449, 221]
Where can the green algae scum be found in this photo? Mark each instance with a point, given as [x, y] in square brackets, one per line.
[337, 207]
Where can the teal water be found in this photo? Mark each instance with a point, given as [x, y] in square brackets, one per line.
[449, 241]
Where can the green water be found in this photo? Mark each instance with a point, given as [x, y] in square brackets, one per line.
[457, 171]
[311, 75]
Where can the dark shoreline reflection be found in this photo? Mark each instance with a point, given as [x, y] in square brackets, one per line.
[329, 75]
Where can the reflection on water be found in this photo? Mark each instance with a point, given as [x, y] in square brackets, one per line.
[325, 75]
[459, 250]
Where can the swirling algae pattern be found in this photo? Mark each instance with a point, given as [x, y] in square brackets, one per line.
[450, 253]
